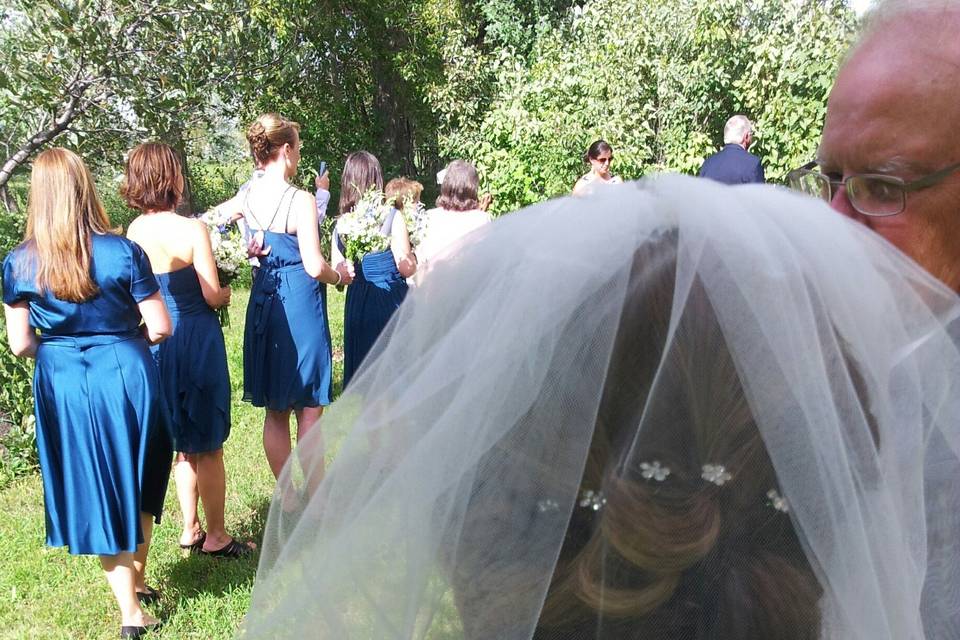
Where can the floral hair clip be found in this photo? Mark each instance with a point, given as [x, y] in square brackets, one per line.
[716, 473]
[592, 499]
[654, 471]
[777, 501]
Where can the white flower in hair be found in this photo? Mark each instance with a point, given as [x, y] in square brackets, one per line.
[777, 501]
[592, 499]
[654, 471]
[716, 473]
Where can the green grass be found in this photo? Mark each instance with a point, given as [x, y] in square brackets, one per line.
[46, 593]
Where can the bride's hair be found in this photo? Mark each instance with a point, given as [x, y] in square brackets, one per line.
[680, 556]
[671, 558]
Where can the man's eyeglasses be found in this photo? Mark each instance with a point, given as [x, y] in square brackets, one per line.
[871, 194]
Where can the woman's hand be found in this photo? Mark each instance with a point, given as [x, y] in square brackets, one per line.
[323, 182]
[255, 246]
[225, 293]
[346, 271]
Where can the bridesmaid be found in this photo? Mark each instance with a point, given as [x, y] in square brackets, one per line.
[287, 362]
[380, 285]
[193, 363]
[103, 444]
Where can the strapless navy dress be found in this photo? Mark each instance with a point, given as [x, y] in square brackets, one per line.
[193, 366]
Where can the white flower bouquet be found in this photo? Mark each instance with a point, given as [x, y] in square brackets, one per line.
[360, 228]
[229, 251]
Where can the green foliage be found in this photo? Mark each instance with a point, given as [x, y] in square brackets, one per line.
[215, 183]
[101, 76]
[656, 80]
[18, 453]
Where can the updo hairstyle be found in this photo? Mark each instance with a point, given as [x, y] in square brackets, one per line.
[268, 134]
[682, 557]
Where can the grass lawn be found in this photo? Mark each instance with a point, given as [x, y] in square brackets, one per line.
[46, 593]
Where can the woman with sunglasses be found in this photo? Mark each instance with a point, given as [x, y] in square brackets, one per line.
[599, 156]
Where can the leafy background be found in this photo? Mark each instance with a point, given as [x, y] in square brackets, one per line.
[520, 87]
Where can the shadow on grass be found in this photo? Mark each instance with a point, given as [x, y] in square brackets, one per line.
[198, 574]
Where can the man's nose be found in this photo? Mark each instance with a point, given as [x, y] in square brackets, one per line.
[841, 202]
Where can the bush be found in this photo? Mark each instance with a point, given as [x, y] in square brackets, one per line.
[216, 183]
[18, 453]
[656, 80]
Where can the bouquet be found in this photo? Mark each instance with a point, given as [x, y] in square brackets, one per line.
[229, 251]
[361, 228]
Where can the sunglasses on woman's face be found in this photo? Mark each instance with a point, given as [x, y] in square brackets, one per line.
[606, 160]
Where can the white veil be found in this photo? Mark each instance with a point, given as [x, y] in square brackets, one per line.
[671, 410]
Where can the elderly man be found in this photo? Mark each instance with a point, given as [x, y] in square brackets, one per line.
[733, 164]
[890, 154]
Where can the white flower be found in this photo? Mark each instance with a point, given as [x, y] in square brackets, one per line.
[592, 499]
[715, 473]
[777, 501]
[654, 471]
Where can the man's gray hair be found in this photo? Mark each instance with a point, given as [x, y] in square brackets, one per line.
[883, 11]
[736, 127]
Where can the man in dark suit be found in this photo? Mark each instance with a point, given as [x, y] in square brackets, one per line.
[733, 164]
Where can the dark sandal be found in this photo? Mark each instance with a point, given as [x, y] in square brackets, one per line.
[194, 547]
[130, 631]
[149, 596]
[232, 550]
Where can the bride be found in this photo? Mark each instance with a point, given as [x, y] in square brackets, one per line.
[742, 421]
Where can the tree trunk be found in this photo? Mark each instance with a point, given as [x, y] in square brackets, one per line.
[6, 198]
[42, 137]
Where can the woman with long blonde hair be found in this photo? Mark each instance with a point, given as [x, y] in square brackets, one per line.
[75, 295]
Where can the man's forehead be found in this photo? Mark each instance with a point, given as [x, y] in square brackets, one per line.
[897, 98]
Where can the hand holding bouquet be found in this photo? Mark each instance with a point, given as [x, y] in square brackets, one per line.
[361, 229]
[229, 251]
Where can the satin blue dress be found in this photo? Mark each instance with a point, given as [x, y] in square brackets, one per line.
[372, 298]
[287, 361]
[102, 436]
[193, 366]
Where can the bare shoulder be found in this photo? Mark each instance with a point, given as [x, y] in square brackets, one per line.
[303, 198]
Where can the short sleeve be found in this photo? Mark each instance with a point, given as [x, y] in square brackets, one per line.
[12, 291]
[143, 283]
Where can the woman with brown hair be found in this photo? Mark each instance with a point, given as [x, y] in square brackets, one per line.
[104, 447]
[287, 362]
[193, 363]
[741, 423]
[457, 213]
[599, 157]
[380, 284]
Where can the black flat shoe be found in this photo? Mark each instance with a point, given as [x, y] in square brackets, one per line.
[194, 547]
[232, 550]
[129, 631]
[149, 596]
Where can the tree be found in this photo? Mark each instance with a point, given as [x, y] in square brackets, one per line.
[99, 75]
[657, 80]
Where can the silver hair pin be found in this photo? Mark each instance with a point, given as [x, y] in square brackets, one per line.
[716, 473]
[592, 499]
[777, 501]
[654, 471]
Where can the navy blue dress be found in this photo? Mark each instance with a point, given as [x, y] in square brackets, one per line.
[374, 295]
[287, 361]
[104, 445]
[193, 366]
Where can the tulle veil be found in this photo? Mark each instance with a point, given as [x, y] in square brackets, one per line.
[670, 410]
